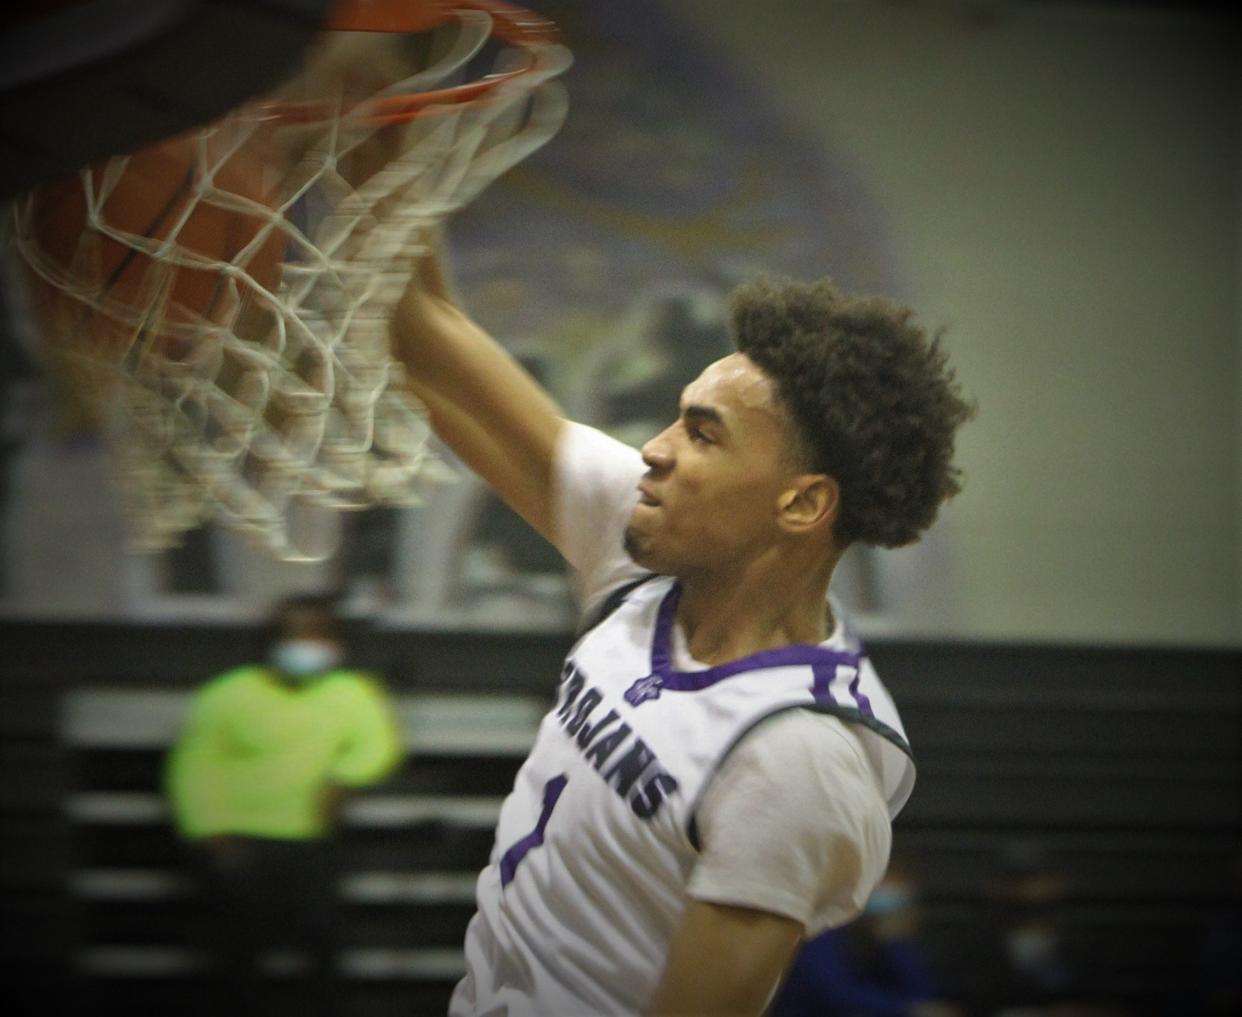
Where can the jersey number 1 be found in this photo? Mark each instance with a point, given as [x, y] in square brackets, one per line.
[511, 858]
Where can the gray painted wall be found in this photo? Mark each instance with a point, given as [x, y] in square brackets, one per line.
[1062, 184]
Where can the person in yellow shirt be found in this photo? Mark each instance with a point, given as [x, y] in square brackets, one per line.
[255, 781]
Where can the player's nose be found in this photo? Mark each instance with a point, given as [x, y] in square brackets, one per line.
[658, 452]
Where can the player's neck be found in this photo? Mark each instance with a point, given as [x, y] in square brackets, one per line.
[728, 617]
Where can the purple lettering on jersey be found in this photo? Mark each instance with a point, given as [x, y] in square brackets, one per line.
[647, 687]
[573, 680]
[590, 699]
[597, 755]
[630, 766]
[635, 773]
[588, 733]
[513, 857]
[646, 803]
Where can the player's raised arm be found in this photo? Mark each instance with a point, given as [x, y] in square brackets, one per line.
[483, 404]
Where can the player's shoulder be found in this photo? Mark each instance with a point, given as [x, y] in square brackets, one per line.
[805, 772]
[592, 468]
[825, 750]
[803, 732]
[584, 441]
[630, 581]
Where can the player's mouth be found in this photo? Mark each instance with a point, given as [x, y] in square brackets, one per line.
[645, 496]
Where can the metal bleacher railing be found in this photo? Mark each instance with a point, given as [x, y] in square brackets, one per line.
[493, 731]
[1125, 763]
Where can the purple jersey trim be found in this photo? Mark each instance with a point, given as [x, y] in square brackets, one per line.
[824, 662]
[821, 687]
[864, 704]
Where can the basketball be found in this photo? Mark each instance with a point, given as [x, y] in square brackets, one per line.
[216, 304]
[180, 237]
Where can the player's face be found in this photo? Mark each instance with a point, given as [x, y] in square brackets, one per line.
[708, 501]
[309, 624]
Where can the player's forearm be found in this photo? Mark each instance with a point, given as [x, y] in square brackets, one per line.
[725, 962]
[713, 992]
[482, 403]
[452, 361]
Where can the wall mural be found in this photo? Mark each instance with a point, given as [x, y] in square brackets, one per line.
[603, 262]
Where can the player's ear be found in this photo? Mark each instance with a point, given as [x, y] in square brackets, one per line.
[809, 502]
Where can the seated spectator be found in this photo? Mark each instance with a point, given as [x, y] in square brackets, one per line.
[1218, 985]
[1021, 965]
[873, 967]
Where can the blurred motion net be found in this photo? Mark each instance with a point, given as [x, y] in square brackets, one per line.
[235, 351]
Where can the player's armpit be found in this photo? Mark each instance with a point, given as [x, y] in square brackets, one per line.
[483, 404]
[725, 961]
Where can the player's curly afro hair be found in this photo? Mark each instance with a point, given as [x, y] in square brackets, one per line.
[873, 400]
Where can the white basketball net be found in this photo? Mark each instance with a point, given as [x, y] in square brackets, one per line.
[283, 401]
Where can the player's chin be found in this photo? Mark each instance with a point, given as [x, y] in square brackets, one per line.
[638, 545]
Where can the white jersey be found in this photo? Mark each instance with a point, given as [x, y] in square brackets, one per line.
[595, 845]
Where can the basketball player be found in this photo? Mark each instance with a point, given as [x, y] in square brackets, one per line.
[717, 777]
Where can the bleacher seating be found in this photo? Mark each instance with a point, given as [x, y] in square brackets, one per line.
[1126, 764]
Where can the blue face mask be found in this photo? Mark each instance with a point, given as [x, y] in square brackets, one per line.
[887, 900]
[1032, 946]
[304, 658]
